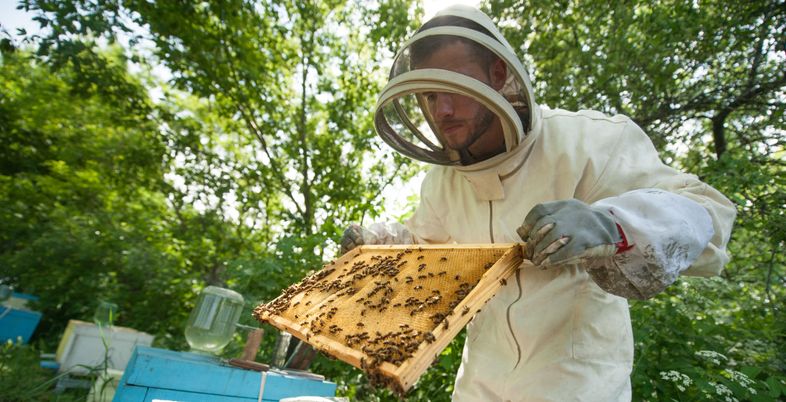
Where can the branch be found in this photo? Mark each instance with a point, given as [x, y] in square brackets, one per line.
[769, 274]
[387, 182]
[254, 128]
[305, 187]
[745, 98]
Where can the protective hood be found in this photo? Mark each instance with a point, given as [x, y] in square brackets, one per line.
[439, 105]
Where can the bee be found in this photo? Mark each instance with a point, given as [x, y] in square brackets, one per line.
[503, 282]
[443, 259]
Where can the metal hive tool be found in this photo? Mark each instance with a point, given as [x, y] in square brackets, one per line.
[390, 310]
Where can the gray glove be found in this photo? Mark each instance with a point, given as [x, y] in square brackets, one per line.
[352, 237]
[568, 231]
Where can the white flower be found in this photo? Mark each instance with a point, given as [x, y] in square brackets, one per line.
[712, 356]
[724, 391]
[742, 379]
[682, 381]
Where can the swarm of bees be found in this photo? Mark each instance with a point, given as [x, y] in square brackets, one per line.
[384, 304]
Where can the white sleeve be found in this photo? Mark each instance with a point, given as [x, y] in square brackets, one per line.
[387, 233]
[668, 232]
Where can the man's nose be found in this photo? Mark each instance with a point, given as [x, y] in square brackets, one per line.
[443, 105]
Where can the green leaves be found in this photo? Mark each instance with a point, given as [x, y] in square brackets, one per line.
[258, 153]
[260, 149]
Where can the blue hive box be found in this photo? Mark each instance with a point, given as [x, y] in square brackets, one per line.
[188, 377]
[16, 320]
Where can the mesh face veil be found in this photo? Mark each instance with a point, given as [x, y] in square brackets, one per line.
[456, 95]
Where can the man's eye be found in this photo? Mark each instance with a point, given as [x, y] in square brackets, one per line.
[430, 96]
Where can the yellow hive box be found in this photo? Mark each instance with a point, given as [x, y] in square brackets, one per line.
[390, 310]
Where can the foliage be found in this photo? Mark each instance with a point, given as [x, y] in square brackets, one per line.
[714, 343]
[19, 372]
[21, 378]
[242, 162]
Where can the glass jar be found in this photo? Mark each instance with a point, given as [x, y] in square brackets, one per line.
[105, 314]
[212, 322]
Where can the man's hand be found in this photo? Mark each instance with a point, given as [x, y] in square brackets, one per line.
[565, 232]
[352, 237]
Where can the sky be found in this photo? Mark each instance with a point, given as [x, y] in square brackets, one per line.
[11, 18]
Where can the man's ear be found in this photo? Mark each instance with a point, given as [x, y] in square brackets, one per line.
[498, 71]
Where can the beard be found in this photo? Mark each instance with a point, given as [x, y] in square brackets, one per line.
[478, 124]
[483, 121]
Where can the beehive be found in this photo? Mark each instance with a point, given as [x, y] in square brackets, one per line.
[390, 310]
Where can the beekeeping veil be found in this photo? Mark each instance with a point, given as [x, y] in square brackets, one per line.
[403, 118]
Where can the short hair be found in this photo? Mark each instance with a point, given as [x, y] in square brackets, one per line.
[422, 49]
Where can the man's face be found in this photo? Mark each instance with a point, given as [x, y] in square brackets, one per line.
[461, 119]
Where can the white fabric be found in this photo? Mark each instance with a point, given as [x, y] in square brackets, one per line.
[669, 232]
[386, 233]
[554, 334]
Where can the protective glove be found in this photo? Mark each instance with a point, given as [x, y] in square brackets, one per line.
[568, 231]
[353, 237]
[377, 233]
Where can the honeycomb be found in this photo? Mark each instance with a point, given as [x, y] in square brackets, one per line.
[390, 310]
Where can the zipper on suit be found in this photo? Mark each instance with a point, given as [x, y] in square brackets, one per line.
[510, 326]
[491, 222]
[518, 285]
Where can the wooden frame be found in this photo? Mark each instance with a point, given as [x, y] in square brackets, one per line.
[400, 378]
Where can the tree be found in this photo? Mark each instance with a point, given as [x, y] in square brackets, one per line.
[263, 151]
[81, 173]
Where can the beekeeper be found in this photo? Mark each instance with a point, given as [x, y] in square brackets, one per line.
[601, 215]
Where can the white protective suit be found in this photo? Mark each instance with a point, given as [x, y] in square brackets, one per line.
[554, 334]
